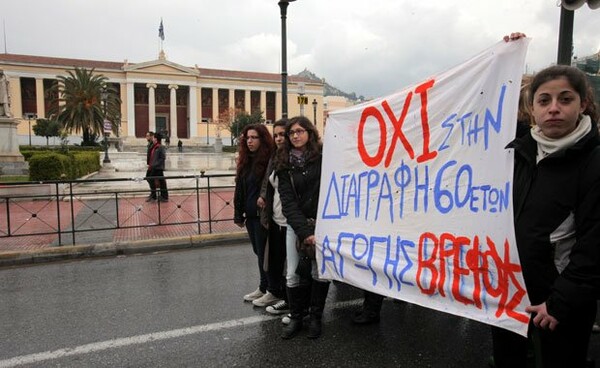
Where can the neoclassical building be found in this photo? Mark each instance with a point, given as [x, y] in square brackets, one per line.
[160, 95]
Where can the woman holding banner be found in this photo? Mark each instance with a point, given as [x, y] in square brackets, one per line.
[556, 199]
[298, 166]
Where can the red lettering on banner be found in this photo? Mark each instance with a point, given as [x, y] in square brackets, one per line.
[397, 124]
[435, 254]
[398, 133]
[371, 111]
[422, 90]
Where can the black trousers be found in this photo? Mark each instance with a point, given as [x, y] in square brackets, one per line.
[277, 257]
[565, 347]
[157, 185]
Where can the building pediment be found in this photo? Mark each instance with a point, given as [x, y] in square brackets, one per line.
[161, 67]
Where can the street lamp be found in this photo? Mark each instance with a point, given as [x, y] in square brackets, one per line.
[104, 98]
[29, 116]
[301, 90]
[207, 141]
[283, 4]
[565, 30]
[314, 103]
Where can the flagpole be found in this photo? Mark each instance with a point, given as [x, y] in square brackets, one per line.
[4, 23]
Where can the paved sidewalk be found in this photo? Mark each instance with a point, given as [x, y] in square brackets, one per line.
[107, 223]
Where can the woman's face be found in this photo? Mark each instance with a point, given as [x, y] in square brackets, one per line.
[556, 108]
[252, 140]
[279, 135]
[298, 136]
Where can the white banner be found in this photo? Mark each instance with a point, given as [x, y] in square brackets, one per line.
[416, 193]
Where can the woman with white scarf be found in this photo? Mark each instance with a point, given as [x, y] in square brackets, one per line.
[556, 199]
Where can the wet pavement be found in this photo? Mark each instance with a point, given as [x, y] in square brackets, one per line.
[185, 309]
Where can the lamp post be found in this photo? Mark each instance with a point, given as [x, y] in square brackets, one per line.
[301, 90]
[104, 98]
[565, 36]
[314, 103]
[283, 4]
[30, 116]
[207, 122]
[565, 31]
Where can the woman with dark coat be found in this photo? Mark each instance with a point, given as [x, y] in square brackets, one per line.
[556, 199]
[299, 173]
[256, 147]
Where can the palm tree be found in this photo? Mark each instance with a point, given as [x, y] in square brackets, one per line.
[80, 107]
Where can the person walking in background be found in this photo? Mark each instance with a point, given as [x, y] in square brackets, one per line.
[272, 219]
[298, 166]
[151, 183]
[556, 195]
[156, 167]
[180, 146]
[255, 149]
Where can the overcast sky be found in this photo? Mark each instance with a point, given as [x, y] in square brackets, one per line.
[371, 47]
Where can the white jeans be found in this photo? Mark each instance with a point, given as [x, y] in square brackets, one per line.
[293, 257]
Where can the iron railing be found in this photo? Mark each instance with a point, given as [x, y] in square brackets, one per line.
[55, 213]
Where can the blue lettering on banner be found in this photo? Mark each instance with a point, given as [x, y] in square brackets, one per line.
[451, 188]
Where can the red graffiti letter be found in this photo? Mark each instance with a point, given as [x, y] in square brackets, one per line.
[429, 263]
[364, 155]
[422, 90]
[398, 134]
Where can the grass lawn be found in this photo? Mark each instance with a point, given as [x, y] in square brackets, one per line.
[13, 178]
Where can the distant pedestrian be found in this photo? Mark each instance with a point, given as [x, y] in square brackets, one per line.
[150, 140]
[255, 148]
[156, 167]
[167, 141]
[180, 146]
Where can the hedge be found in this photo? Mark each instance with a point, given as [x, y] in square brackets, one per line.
[48, 166]
[56, 166]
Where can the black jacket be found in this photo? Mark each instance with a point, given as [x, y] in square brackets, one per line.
[299, 192]
[247, 189]
[564, 183]
[157, 158]
[267, 192]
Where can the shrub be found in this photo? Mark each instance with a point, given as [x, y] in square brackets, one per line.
[48, 166]
[57, 166]
[230, 149]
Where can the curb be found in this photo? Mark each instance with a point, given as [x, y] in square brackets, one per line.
[53, 254]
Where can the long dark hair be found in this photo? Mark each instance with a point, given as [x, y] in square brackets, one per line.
[258, 160]
[313, 145]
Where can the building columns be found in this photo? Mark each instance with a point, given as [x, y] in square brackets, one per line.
[263, 102]
[247, 101]
[279, 106]
[231, 99]
[39, 98]
[151, 107]
[173, 112]
[130, 109]
[193, 112]
[215, 103]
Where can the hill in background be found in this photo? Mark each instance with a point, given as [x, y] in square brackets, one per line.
[329, 90]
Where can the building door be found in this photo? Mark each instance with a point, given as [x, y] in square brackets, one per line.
[162, 125]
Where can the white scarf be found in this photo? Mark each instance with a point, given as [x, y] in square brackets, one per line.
[547, 146]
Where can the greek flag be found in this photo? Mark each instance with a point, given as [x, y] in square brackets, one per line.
[161, 31]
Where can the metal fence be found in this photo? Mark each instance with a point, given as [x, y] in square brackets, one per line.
[55, 213]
